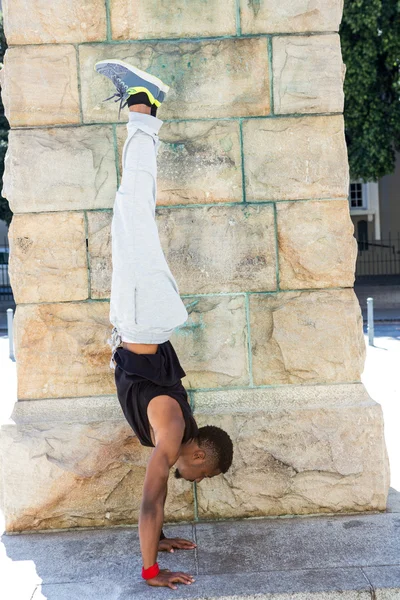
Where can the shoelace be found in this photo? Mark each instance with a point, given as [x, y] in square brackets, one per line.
[121, 95]
[114, 341]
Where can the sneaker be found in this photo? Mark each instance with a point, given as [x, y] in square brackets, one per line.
[130, 80]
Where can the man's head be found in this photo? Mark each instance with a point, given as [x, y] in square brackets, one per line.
[208, 455]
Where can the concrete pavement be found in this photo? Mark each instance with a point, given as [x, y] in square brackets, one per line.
[321, 557]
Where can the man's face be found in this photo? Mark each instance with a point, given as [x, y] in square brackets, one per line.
[194, 471]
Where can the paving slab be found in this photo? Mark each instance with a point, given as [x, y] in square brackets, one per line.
[92, 555]
[298, 543]
[346, 584]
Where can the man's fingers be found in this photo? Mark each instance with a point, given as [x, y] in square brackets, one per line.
[183, 544]
[172, 586]
[189, 542]
[181, 579]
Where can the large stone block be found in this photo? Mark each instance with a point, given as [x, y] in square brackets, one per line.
[210, 249]
[308, 74]
[220, 248]
[54, 22]
[297, 450]
[199, 162]
[317, 248]
[62, 350]
[238, 69]
[212, 344]
[48, 257]
[99, 246]
[40, 85]
[78, 464]
[307, 337]
[290, 16]
[295, 158]
[145, 19]
[74, 168]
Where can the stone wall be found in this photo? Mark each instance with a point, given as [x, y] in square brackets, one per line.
[254, 220]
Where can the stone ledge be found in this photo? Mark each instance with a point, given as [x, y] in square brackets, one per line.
[278, 398]
[87, 409]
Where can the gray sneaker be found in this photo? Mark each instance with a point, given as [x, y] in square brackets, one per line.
[130, 80]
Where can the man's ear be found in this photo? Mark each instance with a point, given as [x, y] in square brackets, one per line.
[199, 455]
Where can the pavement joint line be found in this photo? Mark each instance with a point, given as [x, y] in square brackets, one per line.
[372, 589]
[195, 504]
[196, 556]
[327, 568]
[34, 591]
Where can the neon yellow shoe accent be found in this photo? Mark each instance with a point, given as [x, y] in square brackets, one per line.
[136, 90]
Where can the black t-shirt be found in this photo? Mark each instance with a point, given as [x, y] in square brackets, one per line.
[141, 377]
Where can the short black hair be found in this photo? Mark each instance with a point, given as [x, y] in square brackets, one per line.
[218, 442]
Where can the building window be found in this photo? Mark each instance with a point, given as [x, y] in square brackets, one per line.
[357, 198]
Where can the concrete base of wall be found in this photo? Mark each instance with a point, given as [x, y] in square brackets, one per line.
[298, 450]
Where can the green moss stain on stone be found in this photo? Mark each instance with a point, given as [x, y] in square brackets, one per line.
[226, 143]
[255, 6]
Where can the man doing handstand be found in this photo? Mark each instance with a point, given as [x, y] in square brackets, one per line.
[145, 308]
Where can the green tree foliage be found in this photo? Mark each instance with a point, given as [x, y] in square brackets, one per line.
[370, 41]
[5, 212]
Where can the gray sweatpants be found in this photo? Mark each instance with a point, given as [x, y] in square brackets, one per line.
[145, 304]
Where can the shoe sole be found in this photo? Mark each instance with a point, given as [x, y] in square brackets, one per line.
[146, 76]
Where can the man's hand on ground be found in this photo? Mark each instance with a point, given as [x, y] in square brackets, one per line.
[167, 578]
[168, 544]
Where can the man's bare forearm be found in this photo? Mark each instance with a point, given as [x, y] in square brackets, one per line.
[151, 517]
[150, 525]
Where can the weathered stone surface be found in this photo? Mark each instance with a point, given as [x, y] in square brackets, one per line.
[212, 343]
[62, 350]
[40, 85]
[297, 450]
[99, 245]
[316, 244]
[74, 168]
[210, 249]
[266, 16]
[78, 473]
[308, 74]
[306, 337]
[295, 158]
[238, 69]
[220, 248]
[199, 162]
[54, 22]
[48, 257]
[143, 19]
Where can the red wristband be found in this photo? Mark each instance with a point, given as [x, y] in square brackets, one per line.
[150, 572]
